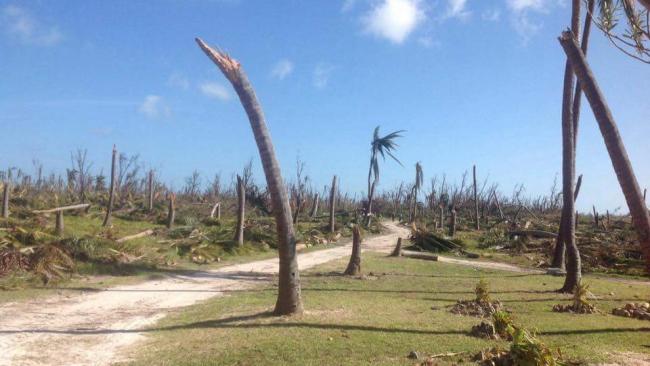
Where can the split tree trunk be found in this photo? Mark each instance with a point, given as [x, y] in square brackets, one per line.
[333, 206]
[171, 210]
[477, 224]
[288, 301]
[5, 200]
[241, 207]
[354, 266]
[111, 194]
[613, 142]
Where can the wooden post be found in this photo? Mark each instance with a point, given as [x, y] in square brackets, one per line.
[5, 200]
[333, 206]
[241, 200]
[477, 224]
[150, 191]
[111, 194]
[59, 223]
[171, 212]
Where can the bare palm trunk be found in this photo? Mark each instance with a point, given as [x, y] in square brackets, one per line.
[452, 222]
[477, 224]
[398, 249]
[332, 225]
[441, 218]
[613, 142]
[171, 210]
[111, 192]
[5, 200]
[559, 253]
[288, 301]
[314, 206]
[241, 207]
[354, 266]
[59, 226]
[150, 191]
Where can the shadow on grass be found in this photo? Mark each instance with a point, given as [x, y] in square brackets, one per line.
[235, 322]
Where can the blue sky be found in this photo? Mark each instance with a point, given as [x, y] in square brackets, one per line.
[472, 82]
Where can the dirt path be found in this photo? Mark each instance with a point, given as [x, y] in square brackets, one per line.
[92, 328]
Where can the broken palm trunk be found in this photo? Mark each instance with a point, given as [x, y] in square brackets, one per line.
[288, 300]
[5, 200]
[241, 207]
[111, 194]
[354, 266]
[398, 249]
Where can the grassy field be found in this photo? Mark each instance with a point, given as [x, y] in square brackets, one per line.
[401, 305]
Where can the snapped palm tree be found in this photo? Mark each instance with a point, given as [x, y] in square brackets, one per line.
[380, 146]
[419, 180]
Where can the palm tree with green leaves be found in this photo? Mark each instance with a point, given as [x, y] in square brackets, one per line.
[419, 181]
[379, 146]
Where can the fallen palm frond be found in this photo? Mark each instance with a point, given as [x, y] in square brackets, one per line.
[428, 241]
[525, 350]
[580, 305]
[50, 261]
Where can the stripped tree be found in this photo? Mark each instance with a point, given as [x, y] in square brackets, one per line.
[354, 266]
[332, 225]
[288, 301]
[111, 192]
[241, 207]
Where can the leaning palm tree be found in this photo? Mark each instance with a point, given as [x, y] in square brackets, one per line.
[379, 146]
[419, 180]
[288, 301]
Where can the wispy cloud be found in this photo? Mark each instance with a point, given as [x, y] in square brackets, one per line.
[19, 24]
[178, 80]
[214, 90]
[521, 11]
[321, 76]
[457, 9]
[154, 107]
[282, 69]
[394, 20]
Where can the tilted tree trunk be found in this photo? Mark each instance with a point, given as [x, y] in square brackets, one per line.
[59, 226]
[6, 191]
[111, 193]
[477, 224]
[314, 206]
[288, 301]
[559, 253]
[241, 208]
[398, 249]
[354, 266]
[332, 225]
[150, 192]
[613, 142]
[171, 210]
[216, 211]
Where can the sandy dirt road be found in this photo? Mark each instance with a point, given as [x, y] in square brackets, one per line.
[95, 327]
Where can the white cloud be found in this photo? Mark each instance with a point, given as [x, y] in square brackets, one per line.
[457, 9]
[321, 75]
[523, 5]
[19, 24]
[154, 106]
[179, 81]
[214, 90]
[282, 69]
[394, 20]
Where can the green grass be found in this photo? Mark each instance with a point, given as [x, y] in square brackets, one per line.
[380, 319]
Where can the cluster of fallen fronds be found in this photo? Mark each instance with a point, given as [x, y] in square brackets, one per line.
[639, 310]
[501, 327]
[429, 241]
[580, 304]
[482, 306]
[525, 349]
